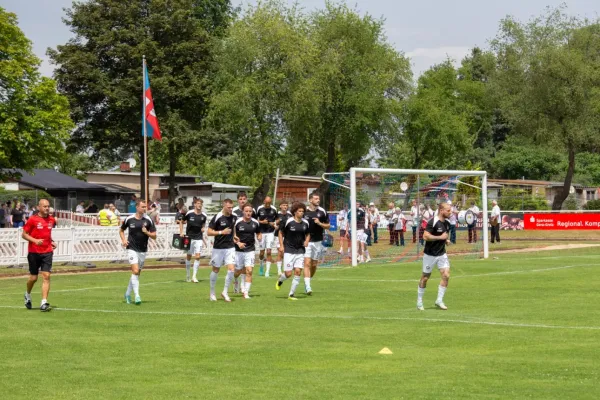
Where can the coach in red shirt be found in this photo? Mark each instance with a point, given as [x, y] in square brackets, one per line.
[38, 232]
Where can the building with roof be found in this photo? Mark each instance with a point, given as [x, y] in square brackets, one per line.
[548, 189]
[65, 190]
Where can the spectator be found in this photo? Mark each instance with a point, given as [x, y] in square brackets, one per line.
[3, 215]
[116, 220]
[105, 216]
[80, 209]
[18, 216]
[399, 226]
[91, 208]
[51, 213]
[154, 214]
[453, 220]
[120, 206]
[131, 209]
[473, 227]
[375, 214]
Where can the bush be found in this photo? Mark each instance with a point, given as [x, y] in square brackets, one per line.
[592, 205]
[24, 196]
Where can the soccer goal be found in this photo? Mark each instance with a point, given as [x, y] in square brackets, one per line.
[404, 200]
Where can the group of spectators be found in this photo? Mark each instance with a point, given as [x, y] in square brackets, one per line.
[14, 214]
[110, 214]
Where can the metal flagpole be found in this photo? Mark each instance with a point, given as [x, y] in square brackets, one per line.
[146, 186]
[276, 183]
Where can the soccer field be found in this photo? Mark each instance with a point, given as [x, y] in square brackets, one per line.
[522, 326]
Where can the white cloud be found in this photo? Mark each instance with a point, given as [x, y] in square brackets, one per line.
[422, 58]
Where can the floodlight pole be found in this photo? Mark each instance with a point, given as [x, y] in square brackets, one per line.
[353, 212]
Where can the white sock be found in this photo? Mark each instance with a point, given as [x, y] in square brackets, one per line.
[261, 263]
[268, 270]
[28, 296]
[196, 266]
[44, 301]
[187, 268]
[213, 281]
[295, 284]
[282, 277]
[279, 271]
[367, 254]
[420, 294]
[306, 282]
[228, 279]
[129, 287]
[135, 282]
[242, 282]
[247, 287]
[441, 293]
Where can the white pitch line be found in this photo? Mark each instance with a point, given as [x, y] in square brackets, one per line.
[91, 288]
[336, 317]
[521, 271]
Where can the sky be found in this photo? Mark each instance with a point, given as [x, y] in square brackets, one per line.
[426, 31]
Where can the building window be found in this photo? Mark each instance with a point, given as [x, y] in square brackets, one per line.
[590, 195]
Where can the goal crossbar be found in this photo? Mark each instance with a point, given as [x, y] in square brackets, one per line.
[354, 171]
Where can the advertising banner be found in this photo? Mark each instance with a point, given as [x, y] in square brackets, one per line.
[562, 221]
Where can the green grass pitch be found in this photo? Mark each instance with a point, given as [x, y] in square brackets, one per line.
[522, 326]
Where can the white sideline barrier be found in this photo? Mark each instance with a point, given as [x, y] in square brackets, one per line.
[90, 243]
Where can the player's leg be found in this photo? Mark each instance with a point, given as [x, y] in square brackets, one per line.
[216, 262]
[288, 268]
[444, 267]
[196, 250]
[279, 259]
[230, 263]
[46, 268]
[375, 235]
[428, 262]
[367, 256]
[269, 259]
[298, 268]
[188, 264]
[261, 257]
[32, 259]
[414, 232]
[248, 283]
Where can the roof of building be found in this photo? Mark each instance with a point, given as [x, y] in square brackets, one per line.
[301, 178]
[114, 188]
[531, 182]
[49, 179]
[137, 173]
[214, 185]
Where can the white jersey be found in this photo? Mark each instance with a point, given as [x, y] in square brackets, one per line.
[342, 219]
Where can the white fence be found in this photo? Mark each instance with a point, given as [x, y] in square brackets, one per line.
[89, 243]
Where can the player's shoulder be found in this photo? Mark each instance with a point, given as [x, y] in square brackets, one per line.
[260, 207]
[129, 218]
[205, 214]
[217, 216]
[321, 209]
[148, 218]
[190, 212]
[254, 220]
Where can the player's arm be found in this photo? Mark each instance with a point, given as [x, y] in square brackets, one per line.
[123, 239]
[212, 229]
[259, 236]
[281, 238]
[323, 222]
[26, 235]
[428, 234]
[181, 222]
[307, 240]
[151, 231]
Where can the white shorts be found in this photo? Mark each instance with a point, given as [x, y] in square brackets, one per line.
[292, 261]
[267, 241]
[361, 236]
[429, 262]
[315, 251]
[221, 257]
[244, 259]
[195, 247]
[136, 257]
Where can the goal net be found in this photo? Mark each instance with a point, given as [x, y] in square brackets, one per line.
[396, 203]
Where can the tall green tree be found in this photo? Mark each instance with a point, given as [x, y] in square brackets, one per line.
[263, 65]
[547, 83]
[34, 118]
[100, 70]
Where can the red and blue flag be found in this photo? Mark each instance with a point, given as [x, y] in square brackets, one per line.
[152, 129]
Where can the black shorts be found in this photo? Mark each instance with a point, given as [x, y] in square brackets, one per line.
[342, 233]
[39, 261]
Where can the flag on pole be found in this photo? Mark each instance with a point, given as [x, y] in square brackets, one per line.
[152, 129]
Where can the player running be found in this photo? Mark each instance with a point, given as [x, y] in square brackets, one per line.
[282, 215]
[223, 254]
[38, 232]
[238, 211]
[294, 237]
[267, 218]
[141, 227]
[436, 239]
[196, 223]
[318, 221]
[246, 232]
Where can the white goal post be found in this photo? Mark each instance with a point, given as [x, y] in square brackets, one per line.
[354, 171]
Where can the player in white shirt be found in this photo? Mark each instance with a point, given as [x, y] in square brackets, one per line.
[414, 213]
[342, 220]
[496, 221]
[473, 227]
[399, 224]
[389, 215]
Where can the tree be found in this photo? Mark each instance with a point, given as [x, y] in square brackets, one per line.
[34, 118]
[546, 82]
[520, 157]
[100, 70]
[263, 64]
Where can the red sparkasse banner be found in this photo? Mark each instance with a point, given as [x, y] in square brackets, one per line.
[562, 221]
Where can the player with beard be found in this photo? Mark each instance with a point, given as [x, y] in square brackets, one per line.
[196, 222]
[318, 221]
[246, 232]
[238, 211]
[294, 238]
[267, 218]
[221, 227]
